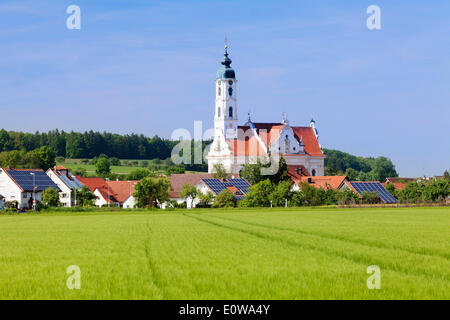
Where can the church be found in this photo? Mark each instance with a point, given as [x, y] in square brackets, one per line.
[235, 145]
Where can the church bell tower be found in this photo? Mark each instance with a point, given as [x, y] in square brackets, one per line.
[225, 119]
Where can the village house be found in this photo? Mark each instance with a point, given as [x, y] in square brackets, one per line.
[111, 193]
[238, 187]
[360, 187]
[67, 183]
[25, 186]
[177, 181]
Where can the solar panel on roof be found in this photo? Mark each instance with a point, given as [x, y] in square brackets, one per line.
[218, 186]
[25, 180]
[377, 187]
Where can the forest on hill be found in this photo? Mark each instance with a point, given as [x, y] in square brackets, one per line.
[91, 144]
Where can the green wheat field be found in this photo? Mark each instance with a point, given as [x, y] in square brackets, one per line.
[308, 253]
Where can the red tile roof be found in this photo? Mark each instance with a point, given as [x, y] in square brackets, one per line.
[121, 190]
[312, 146]
[296, 172]
[247, 145]
[397, 185]
[118, 190]
[92, 183]
[324, 182]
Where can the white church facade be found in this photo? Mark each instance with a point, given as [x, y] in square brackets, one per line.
[235, 145]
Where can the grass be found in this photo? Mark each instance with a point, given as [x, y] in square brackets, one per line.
[320, 253]
[90, 168]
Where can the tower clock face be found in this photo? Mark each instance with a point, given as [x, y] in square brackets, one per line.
[230, 82]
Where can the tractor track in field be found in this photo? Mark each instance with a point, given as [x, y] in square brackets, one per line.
[350, 257]
[332, 237]
[154, 273]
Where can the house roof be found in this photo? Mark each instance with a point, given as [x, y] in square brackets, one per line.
[177, 181]
[24, 179]
[397, 185]
[371, 186]
[324, 182]
[296, 172]
[66, 177]
[239, 187]
[121, 190]
[246, 144]
[118, 191]
[92, 183]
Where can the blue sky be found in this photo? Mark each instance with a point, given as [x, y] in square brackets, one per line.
[149, 67]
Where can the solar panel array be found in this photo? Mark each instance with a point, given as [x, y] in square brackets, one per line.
[24, 179]
[377, 187]
[72, 182]
[217, 186]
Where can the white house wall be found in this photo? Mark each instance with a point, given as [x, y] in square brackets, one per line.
[65, 196]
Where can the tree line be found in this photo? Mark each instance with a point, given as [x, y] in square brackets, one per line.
[76, 145]
[93, 144]
[358, 168]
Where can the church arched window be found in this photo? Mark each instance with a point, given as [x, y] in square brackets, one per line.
[230, 91]
[313, 172]
[218, 112]
[219, 91]
[230, 112]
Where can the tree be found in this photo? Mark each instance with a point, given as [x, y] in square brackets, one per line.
[281, 193]
[219, 172]
[205, 198]
[114, 161]
[103, 167]
[50, 197]
[370, 197]
[252, 172]
[258, 195]
[189, 191]
[311, 196]
[6, 142]
[46, 157]
[179, 169]
[351, 174]
[225, 199]
[436, 189]
[383, 168]
[85, 197]
[446, 175]
[347, 196]
[151, 191]
[338, 161]
[139, 174]
[390, 187]
[79, 172]
[282, 172]
[42, 158]
[413, 192]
